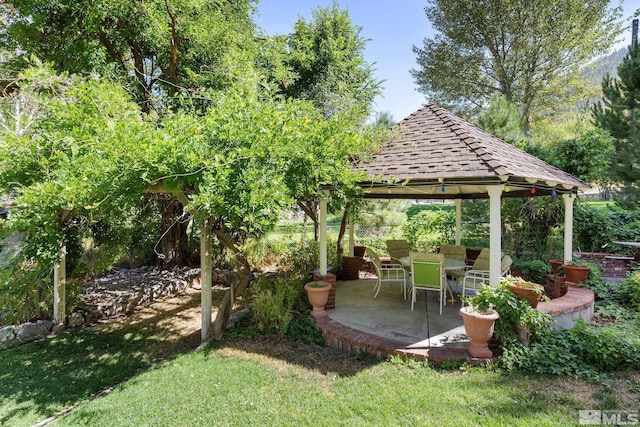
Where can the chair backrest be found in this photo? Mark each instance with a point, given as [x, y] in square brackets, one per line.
[427, 274]
[505, 265]
[482, 262]
[398, 248]
[375, 258]
[426, 256]
[458, 252]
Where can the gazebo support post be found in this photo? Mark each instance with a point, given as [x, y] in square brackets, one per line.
[568, 226]
[323, 237]
[495, 234]
[458, 220]
[205, 277]
[59, 287]
[352, 232]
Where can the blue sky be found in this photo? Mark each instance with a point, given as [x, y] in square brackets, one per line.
[392, 27]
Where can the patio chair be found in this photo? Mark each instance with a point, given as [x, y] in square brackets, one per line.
[458, 252]
[391, 272]
[427, 273]
[474, 279]
[398, 249]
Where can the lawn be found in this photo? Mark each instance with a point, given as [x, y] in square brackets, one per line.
[268, 382]
[232, 385]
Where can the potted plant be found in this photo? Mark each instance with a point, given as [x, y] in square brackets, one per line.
[523, 289]
[556, 266]
[576, 271]
[318, 294]
[479, 318]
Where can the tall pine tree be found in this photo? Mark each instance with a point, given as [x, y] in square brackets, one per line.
[619, 113]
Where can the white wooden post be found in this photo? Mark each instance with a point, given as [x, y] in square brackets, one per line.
[568, 226]
[458, 203]
[205, 277]
[59, 287]
[323, 237]
[495, 239]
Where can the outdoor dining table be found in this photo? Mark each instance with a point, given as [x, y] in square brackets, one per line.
[450, 264]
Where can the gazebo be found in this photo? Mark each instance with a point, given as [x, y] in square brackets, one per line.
[433, 154]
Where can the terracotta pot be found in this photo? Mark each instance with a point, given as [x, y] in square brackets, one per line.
[531, 295]
[479, 328]
[575, 274]
[318, 294]
[556, 266]
[359, 251]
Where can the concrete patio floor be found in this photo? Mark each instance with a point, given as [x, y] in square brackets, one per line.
[390, 316]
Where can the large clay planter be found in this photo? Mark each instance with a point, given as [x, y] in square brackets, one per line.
[318, 293]
[479, 328]
[575, 274]
[556, 266]
[531, 295]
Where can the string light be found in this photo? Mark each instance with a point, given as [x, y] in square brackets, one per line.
[571, 195]
[507, 188]
[442, 189]
[553, 193]
[533, 190]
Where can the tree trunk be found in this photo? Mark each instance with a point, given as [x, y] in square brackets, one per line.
[238, 286]
[310, 208]
[173, 242]
[343, 228]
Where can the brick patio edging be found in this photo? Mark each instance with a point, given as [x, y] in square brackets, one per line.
[576, 303]
[352, 341]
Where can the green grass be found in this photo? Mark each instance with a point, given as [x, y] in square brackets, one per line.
[228, 388]
[42, 378]
[263, 383]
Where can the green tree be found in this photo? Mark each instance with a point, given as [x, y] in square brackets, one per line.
[502, 119]
[326, 55]
[587, 157]
[155, 48]
[619, 113]
[527, 51]
[322, 61]
[90, 159]
[167, 54]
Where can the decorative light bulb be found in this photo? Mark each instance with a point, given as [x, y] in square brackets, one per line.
[553, 193]
[442, 189]
[507, 188]
[533, 190]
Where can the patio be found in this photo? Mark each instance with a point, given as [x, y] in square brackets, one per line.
[386, 326]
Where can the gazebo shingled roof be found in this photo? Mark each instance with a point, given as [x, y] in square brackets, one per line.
[432, 149]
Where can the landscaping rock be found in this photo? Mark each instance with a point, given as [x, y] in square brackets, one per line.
[7, 333]
[76, 319]
[28, 330]
[58, 329]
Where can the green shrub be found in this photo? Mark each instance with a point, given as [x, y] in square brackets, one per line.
[304, 330]
[274, 302]
[427, 229]
[631, 288]
[25, 293]
[534, 270]
[606, 348]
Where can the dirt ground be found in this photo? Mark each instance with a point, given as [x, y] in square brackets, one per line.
[178, 320]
